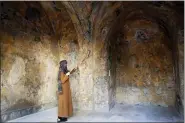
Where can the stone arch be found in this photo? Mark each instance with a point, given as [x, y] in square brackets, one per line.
[169, 24]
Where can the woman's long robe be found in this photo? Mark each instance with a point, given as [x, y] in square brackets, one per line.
[65, 107]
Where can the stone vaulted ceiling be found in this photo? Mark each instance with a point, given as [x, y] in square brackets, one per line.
[91, 19]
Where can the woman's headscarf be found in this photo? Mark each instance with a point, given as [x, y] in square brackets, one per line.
[62, 68]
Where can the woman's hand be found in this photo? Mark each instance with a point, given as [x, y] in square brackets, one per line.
[68, 73]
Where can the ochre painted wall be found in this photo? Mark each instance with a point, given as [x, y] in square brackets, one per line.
[144, 68]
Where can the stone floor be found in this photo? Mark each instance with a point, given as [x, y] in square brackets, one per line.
[120, 113]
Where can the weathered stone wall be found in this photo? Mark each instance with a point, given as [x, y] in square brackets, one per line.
[86, 85]
[30, 55]
[144, 66]
[28, 72]
[125, 71]
[181, 63]
[100, 76]
[112, 71]
[82, 80]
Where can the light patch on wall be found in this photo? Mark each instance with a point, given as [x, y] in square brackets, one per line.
[71, 59]
[17, 71]
[51, 79]
[16, 75]
[48, 76]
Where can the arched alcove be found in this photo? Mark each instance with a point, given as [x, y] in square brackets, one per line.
[145, 27]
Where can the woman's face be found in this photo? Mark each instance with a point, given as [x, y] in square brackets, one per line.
[65, 65]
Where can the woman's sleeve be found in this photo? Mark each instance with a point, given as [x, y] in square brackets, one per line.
[64, 78]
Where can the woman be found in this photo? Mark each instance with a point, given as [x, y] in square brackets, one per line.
[65, 107]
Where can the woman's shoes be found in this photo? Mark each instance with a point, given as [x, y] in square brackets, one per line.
[61, 119]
